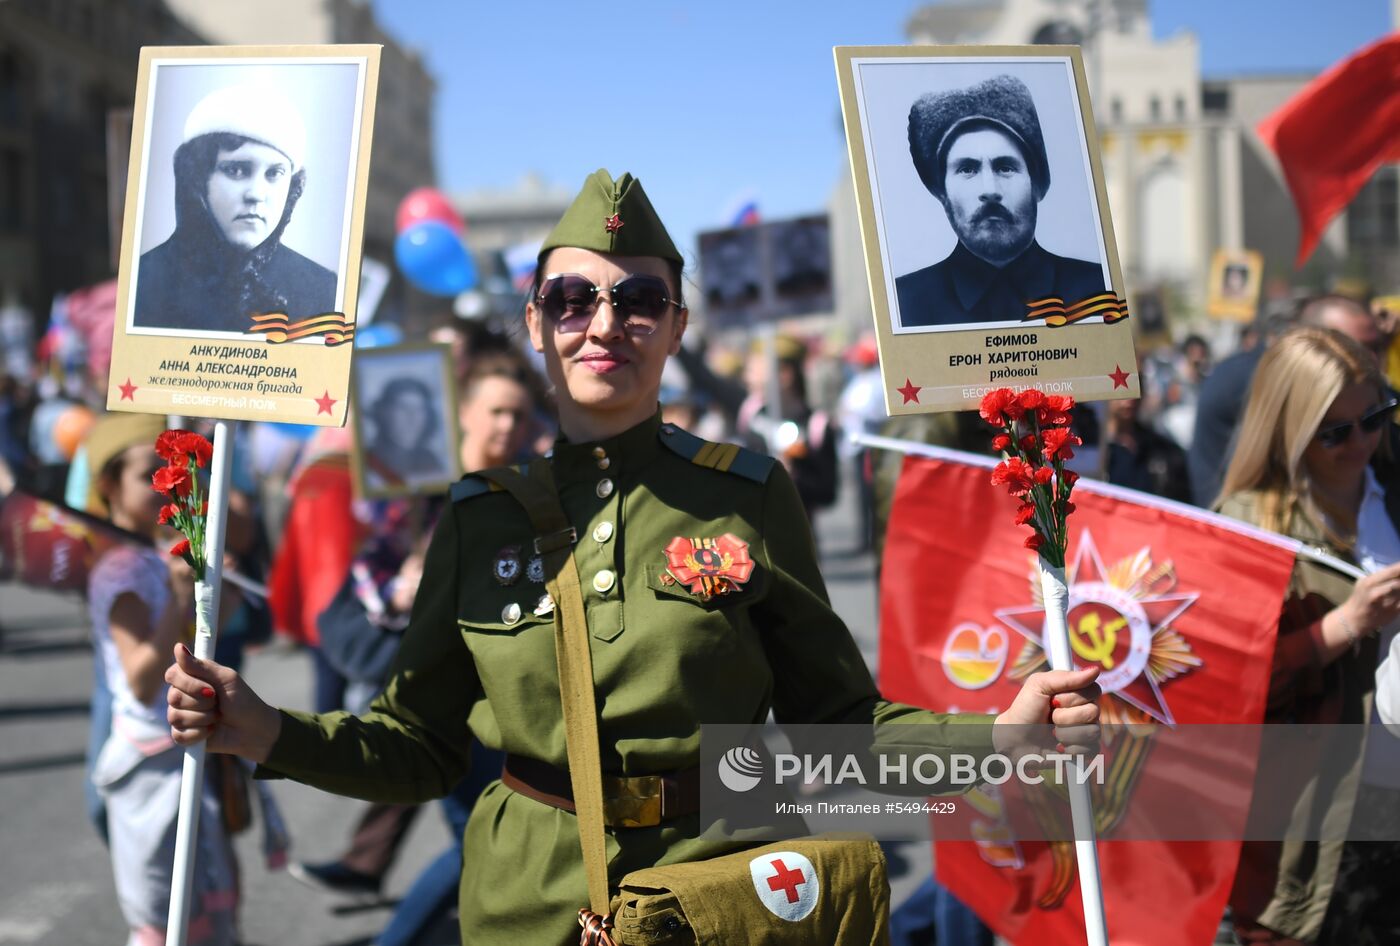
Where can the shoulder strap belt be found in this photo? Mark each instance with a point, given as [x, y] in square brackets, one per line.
[554, 544]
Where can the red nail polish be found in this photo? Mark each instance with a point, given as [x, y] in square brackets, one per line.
[1059, 747]
[206, 692]
[1055, 703]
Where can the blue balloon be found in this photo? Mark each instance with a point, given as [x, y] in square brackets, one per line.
[433, 258]
[378, 335]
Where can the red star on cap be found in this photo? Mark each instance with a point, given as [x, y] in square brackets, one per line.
[910, 391]
[613, 224]
[1119, 377]
[128, 390]
[324, 403]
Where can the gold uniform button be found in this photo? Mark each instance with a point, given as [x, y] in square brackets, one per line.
[604, 489]
[604, 463]
[602, 532]
[599, 452]
[603, 581]
[510, 614]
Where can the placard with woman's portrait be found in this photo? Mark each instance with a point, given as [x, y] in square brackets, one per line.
[985, 224]
[242, 232]
[405, 421]
[1236, 277]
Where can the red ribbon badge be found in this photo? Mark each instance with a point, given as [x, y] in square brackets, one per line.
[709, 566]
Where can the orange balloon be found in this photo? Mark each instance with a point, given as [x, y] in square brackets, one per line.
[72, 428]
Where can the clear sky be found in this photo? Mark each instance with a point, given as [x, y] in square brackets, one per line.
[710, 101]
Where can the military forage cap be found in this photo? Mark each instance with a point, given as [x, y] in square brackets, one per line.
[1002, 102]
[611, 216]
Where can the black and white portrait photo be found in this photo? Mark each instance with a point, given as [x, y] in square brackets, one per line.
[983, 188]
[247, 186]
[405, 420]
[731, 271]
[800, 254]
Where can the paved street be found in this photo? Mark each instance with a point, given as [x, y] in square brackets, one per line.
[55, 880]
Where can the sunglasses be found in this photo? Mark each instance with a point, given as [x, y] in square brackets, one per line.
[1370, 422]
[570, 301]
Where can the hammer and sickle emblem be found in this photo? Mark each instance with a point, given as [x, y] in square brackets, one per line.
[1094, 641]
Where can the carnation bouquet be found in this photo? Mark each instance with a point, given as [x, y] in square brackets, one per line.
[185, 453]
[1035, 440]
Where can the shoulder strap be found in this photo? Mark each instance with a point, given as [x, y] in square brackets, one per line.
[554, 543]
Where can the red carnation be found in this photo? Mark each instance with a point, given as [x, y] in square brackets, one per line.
[1055, 411]
[194, 445]
[1042, 475]
[167, 445]
[1001, 442]
[1059, 443]
[181, 549]
[172, 479]
[1065, 506]
[1015, 474]
[1034, 542]
[1070, 477]
[997, 406]
[167, 512]
[1025, 513]
[1030, 399]
[1030, 444]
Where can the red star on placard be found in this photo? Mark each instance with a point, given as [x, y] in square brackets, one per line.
[613, 224]
[128, 390]
[324, 403]
[910, 391]
[1119, 377]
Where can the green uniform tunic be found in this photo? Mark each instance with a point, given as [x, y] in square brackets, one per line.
[477, 657]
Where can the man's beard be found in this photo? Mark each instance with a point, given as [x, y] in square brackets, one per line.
[995, 234]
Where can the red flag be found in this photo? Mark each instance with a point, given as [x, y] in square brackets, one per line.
[45, 545]
[1331, 136]
[1178, 610]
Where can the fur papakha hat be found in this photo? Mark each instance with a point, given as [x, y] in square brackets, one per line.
[1001, 102]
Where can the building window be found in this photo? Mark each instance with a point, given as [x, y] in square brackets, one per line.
[1373, 218]
[1180, 108]
[1154, 109]
[11, 191]
[11, 90]
[1115, 109]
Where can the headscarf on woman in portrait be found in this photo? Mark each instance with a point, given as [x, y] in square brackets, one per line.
[239, 173]
[1317, 414]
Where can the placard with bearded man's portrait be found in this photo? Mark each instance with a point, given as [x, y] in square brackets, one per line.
[985, 224]
[241, 239]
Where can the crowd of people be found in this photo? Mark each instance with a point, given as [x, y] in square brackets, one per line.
[1291, 430]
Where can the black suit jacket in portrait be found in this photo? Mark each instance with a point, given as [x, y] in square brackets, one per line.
[966, 288]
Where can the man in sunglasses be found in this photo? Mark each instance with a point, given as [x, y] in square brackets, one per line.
[980, 151]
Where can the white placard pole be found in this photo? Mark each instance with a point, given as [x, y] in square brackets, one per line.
[206, 632]
[1055, 595]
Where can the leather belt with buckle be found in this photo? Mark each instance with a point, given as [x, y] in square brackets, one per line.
[640, 801]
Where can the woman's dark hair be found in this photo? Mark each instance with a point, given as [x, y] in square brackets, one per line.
[211, 257]
[397, 388]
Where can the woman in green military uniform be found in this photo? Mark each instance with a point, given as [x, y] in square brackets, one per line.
[703, 599]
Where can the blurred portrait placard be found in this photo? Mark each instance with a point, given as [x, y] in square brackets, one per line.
[405, 420]
[985, 223]
[1236, 277]
[240, 252]
[766, 272]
